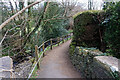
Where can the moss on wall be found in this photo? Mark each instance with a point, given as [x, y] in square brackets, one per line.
[87, 31]
[91, 64]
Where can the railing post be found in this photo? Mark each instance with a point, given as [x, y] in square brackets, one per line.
[71, 35]
[67, 37]
[43, 47]
[36, 55]
[63, 39]
[51, 44]
[58, 41]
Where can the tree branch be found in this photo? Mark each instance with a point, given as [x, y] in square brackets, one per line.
[21, 11]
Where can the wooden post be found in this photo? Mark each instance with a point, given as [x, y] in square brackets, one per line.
[63, 39]
[43, 47]
[67, 37]
[36, 55]
[58, 41]
[47, 44]
[51, 43]
[40, 49]
[71, 35]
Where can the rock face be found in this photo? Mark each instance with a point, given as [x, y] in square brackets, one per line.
[6, 65]
[92, 64]
[22, 70]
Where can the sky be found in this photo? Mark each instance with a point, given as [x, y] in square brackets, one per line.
[97, 3]
[85, 1]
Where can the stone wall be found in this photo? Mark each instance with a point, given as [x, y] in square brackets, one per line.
[7, 70]
[6, 65]
[93, 64]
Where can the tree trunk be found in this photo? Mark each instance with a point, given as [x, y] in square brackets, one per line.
[15, 15]
[21, 5]
[37, 24]
[11, 8]
[0, 29]
[29, 15]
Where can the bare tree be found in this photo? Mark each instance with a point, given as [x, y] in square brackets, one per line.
[68, 6]
[97, 5]
[71, 7]
[21, 4]
[90, 5]
[0, 29]
[16, 7]
[11, 6]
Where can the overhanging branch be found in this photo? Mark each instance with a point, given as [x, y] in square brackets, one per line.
[21, 11]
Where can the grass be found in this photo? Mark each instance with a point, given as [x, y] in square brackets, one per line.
[70, 31]
[34, 74]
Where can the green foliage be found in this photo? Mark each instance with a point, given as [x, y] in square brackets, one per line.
[53, 28]
[34, 74]
[86, 28]
[70, 31]
[72, 48]
[108, 5]
[99, 29]
[116, 75]
[112, 32]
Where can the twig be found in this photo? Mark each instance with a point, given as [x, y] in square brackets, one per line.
[21, 11]
[4, 37]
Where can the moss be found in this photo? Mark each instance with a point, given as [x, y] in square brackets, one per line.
[89, 11]
[86, 28]
[34, 74]
[72, 48]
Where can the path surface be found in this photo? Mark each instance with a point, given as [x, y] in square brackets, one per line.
[56, 64]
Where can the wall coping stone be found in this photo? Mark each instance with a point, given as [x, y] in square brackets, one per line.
[94, 52]
[109, 62]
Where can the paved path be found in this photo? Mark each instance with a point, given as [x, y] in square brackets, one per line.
[56, 64]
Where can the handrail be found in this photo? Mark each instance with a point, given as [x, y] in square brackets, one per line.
[37, 62]
[34, 66]
[43, 44]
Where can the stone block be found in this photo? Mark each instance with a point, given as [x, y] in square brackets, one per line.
[109, 62]
[92, 64]
[6, 65]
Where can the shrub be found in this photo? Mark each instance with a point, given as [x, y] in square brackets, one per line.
[112, 32]
[87, 29]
